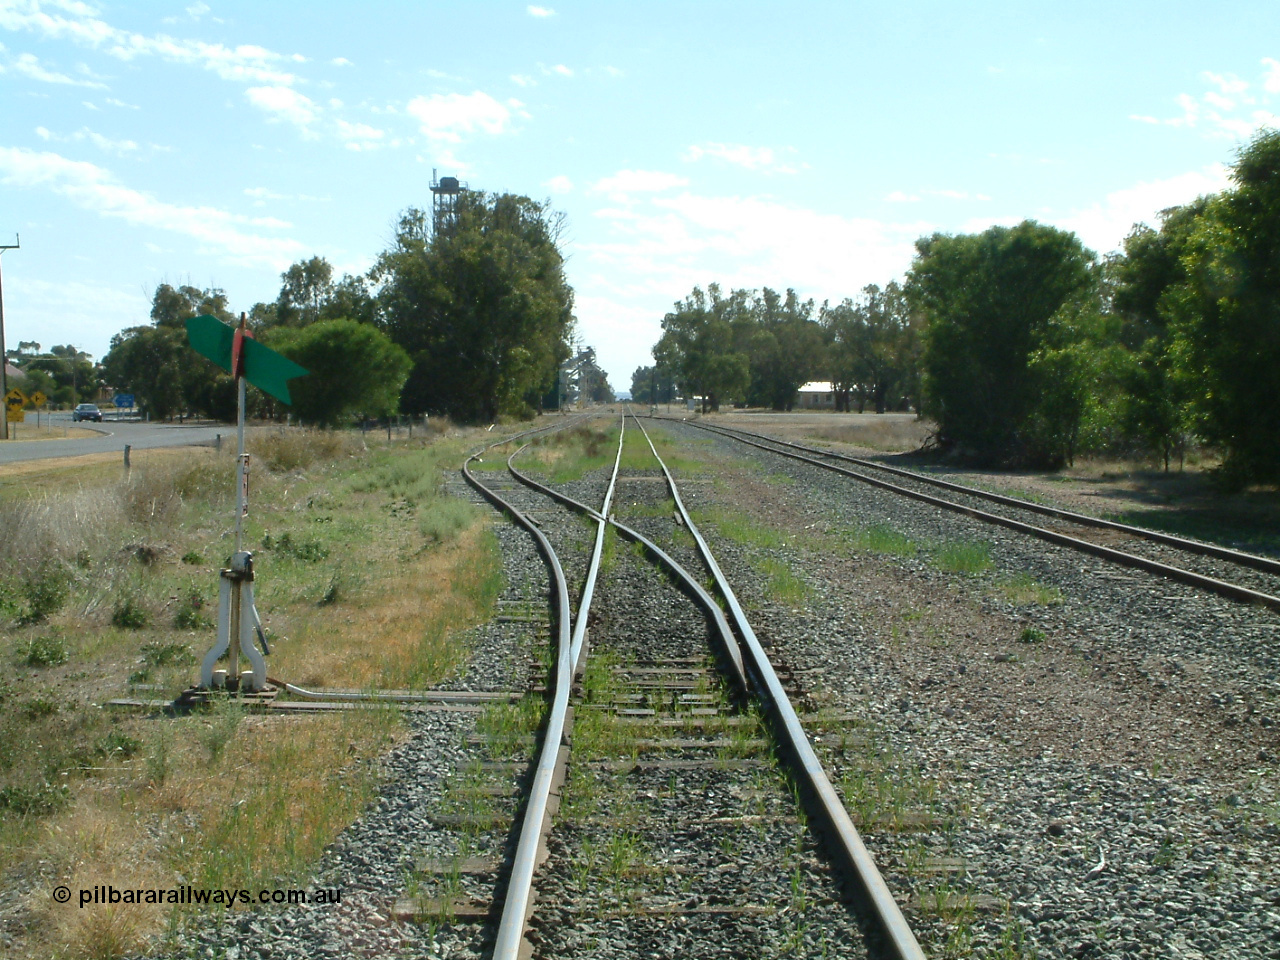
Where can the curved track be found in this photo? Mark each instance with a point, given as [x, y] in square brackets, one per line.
[748, 671]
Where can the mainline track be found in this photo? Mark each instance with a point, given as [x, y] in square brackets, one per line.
[1260, 571]
[749, 671]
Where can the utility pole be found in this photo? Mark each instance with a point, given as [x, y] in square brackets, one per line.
[4, 361]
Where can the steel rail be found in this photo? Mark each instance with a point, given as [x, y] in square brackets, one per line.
[1217, 551]
[845, 835]
[724, 633]
[510, 939]
[520, 881]
[1202, 581]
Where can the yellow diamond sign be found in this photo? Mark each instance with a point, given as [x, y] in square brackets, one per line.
[37, 399]
[15, 399]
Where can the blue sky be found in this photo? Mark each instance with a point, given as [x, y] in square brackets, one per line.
[753, 144]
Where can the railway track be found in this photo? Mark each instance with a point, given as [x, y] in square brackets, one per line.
[1245, 577]
[671, 829]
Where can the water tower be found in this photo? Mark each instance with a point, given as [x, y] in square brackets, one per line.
[444, 202]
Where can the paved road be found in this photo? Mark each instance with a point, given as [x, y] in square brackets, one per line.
[115, 435]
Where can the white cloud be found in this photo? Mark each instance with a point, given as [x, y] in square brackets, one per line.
[539, 12]
[197, 10]
[614, 72]
[1271, 79]
[740, 155]
[559, 185]
[341, 62]
[78, 23]
[562, 70]
[448, 117]
[1228, 83]
[93, 188]
[360, 136]
[671, 243]
[118, 147]
[626, 182]
[1103, 226]
[1229, 110]
[120, 103]
[284, 103]
[520, 80]
[30, 66]
[899, 197]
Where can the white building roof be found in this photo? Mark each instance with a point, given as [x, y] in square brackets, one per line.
[817, 386]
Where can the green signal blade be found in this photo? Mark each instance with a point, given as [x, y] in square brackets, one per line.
[269, 371]
[211, 338]
[263, 367]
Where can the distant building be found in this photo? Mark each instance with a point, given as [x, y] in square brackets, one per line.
[816, 395]
[13, 375]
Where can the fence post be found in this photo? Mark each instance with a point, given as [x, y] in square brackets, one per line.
[126, 456]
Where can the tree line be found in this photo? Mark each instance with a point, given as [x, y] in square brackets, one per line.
[469, 316]
[1026, 349]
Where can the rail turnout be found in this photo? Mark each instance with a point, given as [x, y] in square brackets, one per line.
[655, 813]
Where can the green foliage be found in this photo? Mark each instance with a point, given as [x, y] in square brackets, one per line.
[45, 651]
[481, 306]
[156, 364]
[962, 556]
[654, 384]
[698, 344]
[128, 613]
[1227, 316]
[353, 367]
[308, 551]
[993, 302]
[166, 654]
[1155, 412]
[874, 356]
[45, 591]
[42, 799]
[191, 614]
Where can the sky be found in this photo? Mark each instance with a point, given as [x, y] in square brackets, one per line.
[802, 145]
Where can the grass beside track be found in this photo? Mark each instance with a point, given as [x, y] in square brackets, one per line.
[367, 576]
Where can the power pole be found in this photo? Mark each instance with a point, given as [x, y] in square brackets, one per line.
[4, 360]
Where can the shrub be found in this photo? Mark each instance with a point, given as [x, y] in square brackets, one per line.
[190, 613]
[308, 551]
[50, 651]
[164, 654]
[45, 591]
[28, 800]
[129, 614]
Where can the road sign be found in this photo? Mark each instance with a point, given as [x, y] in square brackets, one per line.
[17, 415]
[15, 399]
[37, 399]
[123, 400]
[261, 366]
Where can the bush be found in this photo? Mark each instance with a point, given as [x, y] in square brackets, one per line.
[129, 614]
[190, 613]
[50, 651]
[28, 800]
[308, 551]
[45, 590]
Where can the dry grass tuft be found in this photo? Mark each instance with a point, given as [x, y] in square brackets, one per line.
[295, 448]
